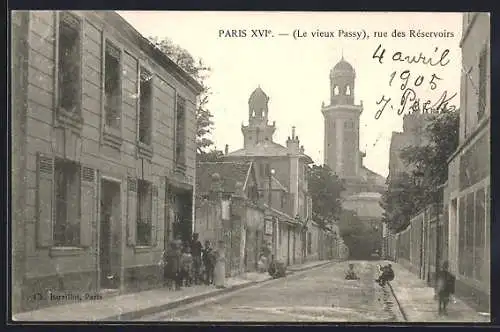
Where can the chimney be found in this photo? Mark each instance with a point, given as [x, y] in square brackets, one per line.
[226, 150]
[292, 143]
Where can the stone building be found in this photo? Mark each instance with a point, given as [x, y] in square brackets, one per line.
[231, 186]
[108, 142]
[468, 194]
[283, 170]
[341, 145]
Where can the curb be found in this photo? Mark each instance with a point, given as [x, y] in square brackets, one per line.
[400, 307]
[171, 305]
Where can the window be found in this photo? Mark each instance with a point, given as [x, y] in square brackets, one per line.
[461, 236]
[283, 198]
[67, 203]
[479, 236]
[145, 107]
[482, 83]
[69, 75]
[144, 215]
[180, 141]
[469, 236]
[112, 86]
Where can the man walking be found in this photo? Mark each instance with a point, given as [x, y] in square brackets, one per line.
[445, 286]
[196, 249]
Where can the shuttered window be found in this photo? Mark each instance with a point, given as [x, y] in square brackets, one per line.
[112, 85]
[145, 107]
[66, 203]
[69, 49]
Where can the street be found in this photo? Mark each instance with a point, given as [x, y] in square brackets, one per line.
[317, 295]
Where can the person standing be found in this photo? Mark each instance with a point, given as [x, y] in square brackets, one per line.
[445, 286]
[196, 249]
[220, 266]
[209, 263]
[172, 266]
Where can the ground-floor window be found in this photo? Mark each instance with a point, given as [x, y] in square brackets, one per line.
[472, 233]
[144, 215]
[309, 243]
[67, 204]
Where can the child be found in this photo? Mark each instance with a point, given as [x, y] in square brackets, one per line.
[445, 286]
[351, 274]
[187, 266]
[387, 274]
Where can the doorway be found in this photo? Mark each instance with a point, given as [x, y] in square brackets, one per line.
[109, 240]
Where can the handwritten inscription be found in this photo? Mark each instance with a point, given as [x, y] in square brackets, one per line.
[408, 82]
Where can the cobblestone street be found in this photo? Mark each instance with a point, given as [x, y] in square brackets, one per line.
[320, 295]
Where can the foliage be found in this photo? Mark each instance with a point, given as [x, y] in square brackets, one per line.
[325, 188]
[200, 72]
[403, 199]
[360, 237]
[211, 156]
[408, 193]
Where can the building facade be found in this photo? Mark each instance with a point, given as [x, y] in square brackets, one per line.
[228, 209]
[282, 173]
[468, 194]
[110, 155]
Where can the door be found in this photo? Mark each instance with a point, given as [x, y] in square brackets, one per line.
[294, 247]
[109, 239]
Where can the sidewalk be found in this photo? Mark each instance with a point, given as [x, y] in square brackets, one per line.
[134, 305]
[417, 302]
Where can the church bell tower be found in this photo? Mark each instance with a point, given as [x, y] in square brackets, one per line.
[258, 129]
[341, 141]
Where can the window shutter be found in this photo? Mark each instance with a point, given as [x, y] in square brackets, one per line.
[154, 216]
[88, 205]
[132, 211]
[45, 201]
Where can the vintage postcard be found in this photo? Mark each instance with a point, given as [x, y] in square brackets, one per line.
[250, 166]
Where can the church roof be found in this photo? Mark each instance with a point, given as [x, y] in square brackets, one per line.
[264, 149]
[343, 66]
[230, 173]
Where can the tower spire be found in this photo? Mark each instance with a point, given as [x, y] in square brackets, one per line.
[342, 54]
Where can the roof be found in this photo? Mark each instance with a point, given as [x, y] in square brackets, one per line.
[265, 149]
[115, 19]
[258, 95]
[230, 173]
[343, 65]
[373, 176]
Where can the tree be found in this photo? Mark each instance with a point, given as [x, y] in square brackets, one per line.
[325, 188]
[410, 192]
[403, 199]
[359, 236]
[431, 161]
[200, 72]
[211, 156]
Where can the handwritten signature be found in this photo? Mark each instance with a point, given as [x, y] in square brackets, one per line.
[410, 102]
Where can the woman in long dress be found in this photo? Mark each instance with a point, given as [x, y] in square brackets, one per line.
[220, 266]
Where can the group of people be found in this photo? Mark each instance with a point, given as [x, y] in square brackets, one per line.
[386, 274]
[190, 263]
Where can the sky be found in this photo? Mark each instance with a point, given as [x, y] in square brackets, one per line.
[294, 71]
